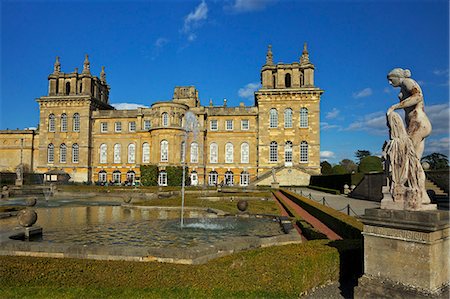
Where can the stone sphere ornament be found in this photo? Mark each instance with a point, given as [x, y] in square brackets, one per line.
[242, 205]
[5, 188]
[27, 218]
[127, 199]
[425, 165]
[31, 202]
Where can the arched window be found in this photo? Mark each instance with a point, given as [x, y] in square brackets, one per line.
[194, 152]
[245, 178]
[304, 117]
[131, 175]
[165, 119]
[229, 178]
[131, 153]
[273, 152]
[116, 177]
[304, 152]
[164, 151]
[75, 153]
[62, 153]
[117, 153]
[273, 118]
[288, 118]
[229, 152]
[103, 153]
[245, 153]
[51, 123]
[287, 80]
[145, 152]
[213, 153]
[63, 122]
[67, 88]
[182, 151]
[50, 153]
[194, 178]
[76, 122]
[288, 152]
[213, 178]
[102, 176]
[162, 178]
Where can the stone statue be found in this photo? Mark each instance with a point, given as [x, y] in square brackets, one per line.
[273, 175]
[19, 172]
[404, 150]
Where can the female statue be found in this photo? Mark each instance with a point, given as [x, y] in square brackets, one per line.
[418, 125]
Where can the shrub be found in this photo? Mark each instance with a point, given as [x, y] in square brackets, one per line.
[339, 169]
[149, 175]
[175, 176]
[370, 164]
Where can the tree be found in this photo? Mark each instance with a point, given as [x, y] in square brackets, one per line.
[325, 167]
[370, 164]
[339, 169]
[361, 154]
[349, 165]
[436, 161]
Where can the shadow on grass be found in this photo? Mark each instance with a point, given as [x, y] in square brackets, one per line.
[351, 266]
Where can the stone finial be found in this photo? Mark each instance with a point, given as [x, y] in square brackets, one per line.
[103, 75]
[224, 102]
[304, 59]
[210, 103]
[57, 66]
[86, 65]
[269, 56]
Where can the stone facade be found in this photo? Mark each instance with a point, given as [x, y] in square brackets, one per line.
[81, 134]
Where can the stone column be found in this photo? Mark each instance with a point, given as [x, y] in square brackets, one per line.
[406, 254]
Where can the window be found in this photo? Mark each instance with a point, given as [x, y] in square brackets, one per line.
[63, 122]
[194, 152]
[147, 124]
[67, 88]
[288, 118]
[145, 152]
[182, 151]
[165, 119]
[117, 153]
[116, 177]
[273, 152]
[287, 80]
[229, 178]
[50, 153]
[304, 152]
[229, 125]
[51, 123]
[213, 178]
[76, 122]
[103, 127]
[245, 124]
[303, 118]
[132, 126]
[118, 126]
[75, 153]
[162, 178]
[103, 153]
[102, 176]
[229, 153]
[131, 175]
[273, 118]
[245, 178]
[213, 153]
[288, 152]
[62, 153]
[164, 151]
[213, 125]
[131, 153]
[194, 178]
[245, 152]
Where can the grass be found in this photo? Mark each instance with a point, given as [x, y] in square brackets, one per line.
[11, 208]
[275, 272]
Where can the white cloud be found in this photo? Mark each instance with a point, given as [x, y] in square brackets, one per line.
[161, 42]
[248, 90]
[441, 72]
[373, 123]
[194, 20]
[128, 106]
[363, 93]
[439, 117]
[327, 154]
[437, 146]
[326, 126]
[387, 90]
[242, 6]
[332, 114]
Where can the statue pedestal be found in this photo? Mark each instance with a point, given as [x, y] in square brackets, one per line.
[405, 254]
[275, 185]
[19, 182]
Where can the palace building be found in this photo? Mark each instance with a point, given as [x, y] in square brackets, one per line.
[82, 135]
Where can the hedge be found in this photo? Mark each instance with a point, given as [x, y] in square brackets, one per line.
[344, 225]
[175, 176]
[149, 175]
[327, 190]
[439, 177]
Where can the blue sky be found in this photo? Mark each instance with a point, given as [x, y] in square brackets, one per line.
[149, 47]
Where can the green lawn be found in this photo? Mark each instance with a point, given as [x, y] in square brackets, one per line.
[275, 272]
